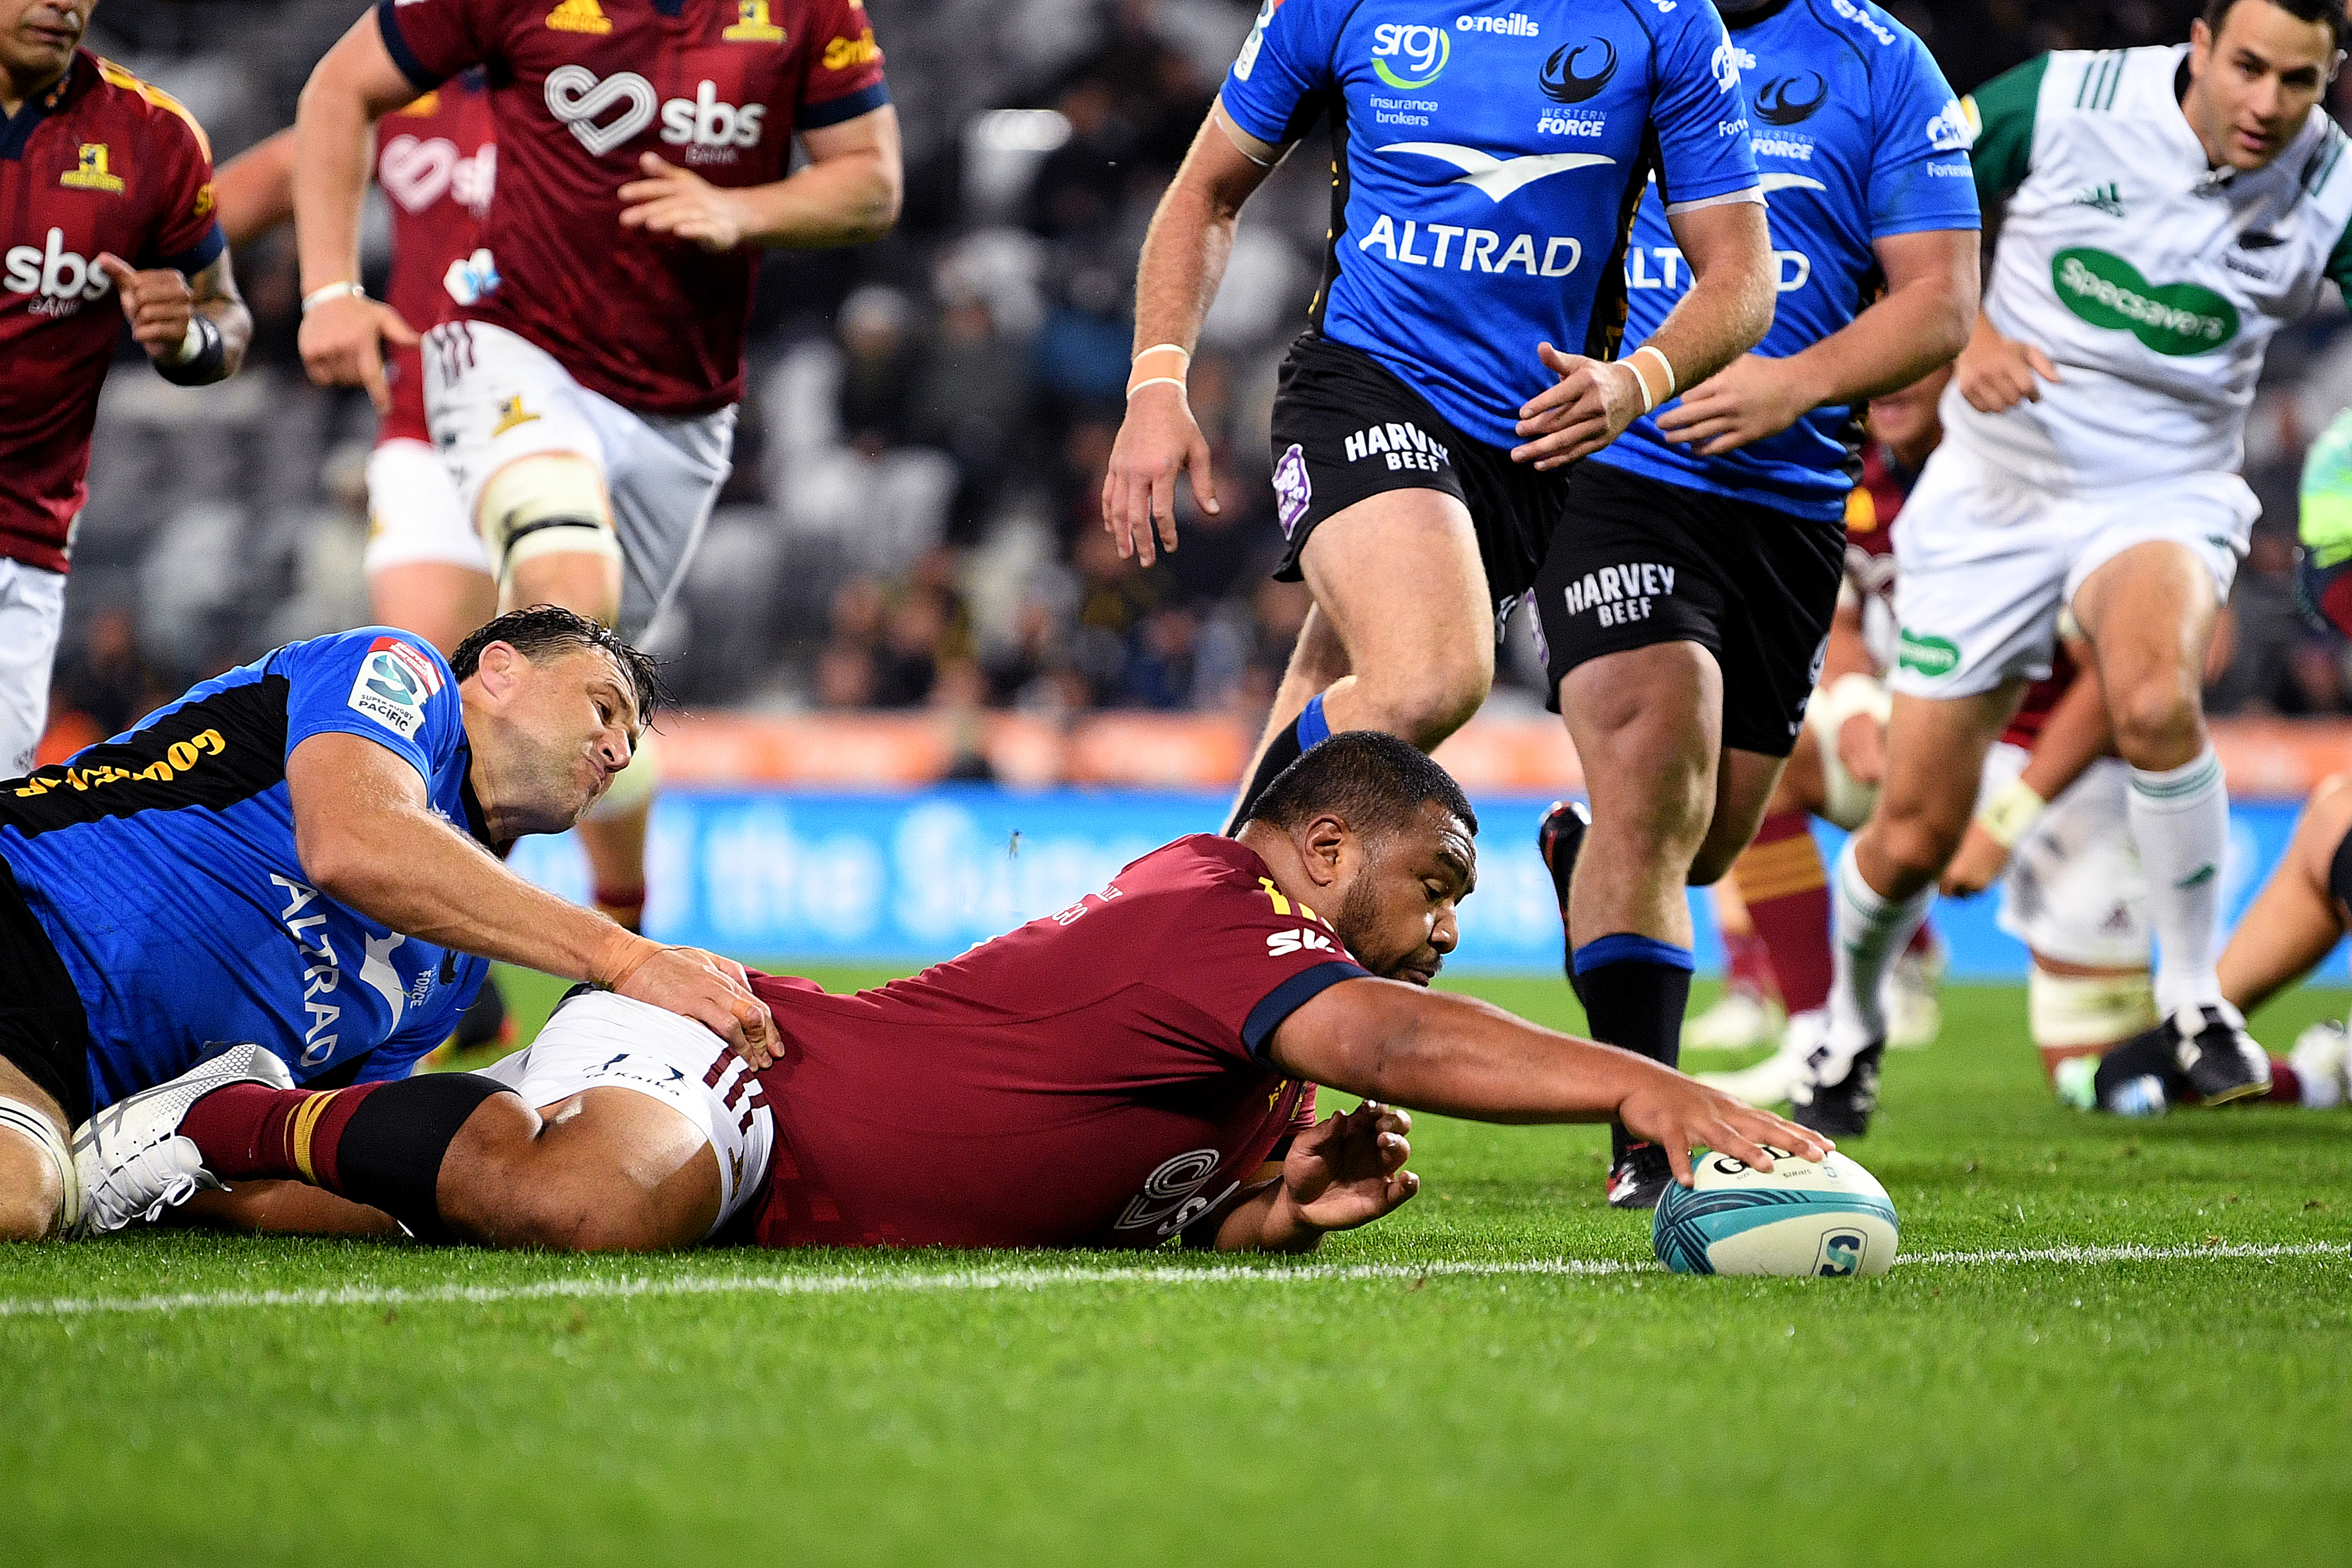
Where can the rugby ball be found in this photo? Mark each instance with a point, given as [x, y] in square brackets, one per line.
[1802, 1217]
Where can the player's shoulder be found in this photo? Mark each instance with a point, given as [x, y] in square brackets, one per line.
[1198, 862]
[407, 661]
[157, 114]
[2093, 83]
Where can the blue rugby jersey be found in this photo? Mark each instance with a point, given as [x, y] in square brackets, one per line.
[1487, 164]
[161, 863]
[1858, 137]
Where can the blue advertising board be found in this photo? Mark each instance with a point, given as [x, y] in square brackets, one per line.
[913, 877]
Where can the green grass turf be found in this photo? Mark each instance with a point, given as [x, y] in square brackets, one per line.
[2186, 1410]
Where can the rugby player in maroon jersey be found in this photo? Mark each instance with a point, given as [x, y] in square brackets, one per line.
[105, 188]
[1139, 1066]
[437, 163]
[582, 389]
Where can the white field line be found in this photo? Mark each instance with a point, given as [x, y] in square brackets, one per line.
[892, 1282]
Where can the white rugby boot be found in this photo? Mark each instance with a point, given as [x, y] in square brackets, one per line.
[2322, 1059]
[1771, 1082]
[1915, 1016]
[133, 1162]
[1740, 1020]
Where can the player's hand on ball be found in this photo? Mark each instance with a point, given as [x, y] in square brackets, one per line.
[1681, 1113]
[342, 344]
[1158, 441]
[1994, 372]
[1589, 406]
[682, 205]
[711, 990]
[1745, 401]
[158, 305]
[1348, 1170]
[1978, 865]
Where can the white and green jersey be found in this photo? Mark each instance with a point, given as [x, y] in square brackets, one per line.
[2152, 281]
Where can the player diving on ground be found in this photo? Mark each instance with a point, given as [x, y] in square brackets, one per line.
[1139, 1065]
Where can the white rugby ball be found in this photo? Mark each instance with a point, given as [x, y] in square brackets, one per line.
[1802, 1217]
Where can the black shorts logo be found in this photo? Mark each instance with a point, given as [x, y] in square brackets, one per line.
[1400, 442]
[1620, 596]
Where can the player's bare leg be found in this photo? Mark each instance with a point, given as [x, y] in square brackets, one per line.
[1745, 783]
[32, 1180]
[2081, 1009]
[1886, 879]
[2297, 918]
[438, 601]
[1397, 579]
[1317, 660]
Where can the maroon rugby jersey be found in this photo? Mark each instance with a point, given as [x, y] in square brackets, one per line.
[436, 161]
[1094, 1079]
[579, 90]
[101, 162]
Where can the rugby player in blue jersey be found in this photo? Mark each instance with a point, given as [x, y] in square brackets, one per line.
[1686, 613]
[298, 854]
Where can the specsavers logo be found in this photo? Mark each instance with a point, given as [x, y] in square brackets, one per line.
[2170, 318]
[1420, 54]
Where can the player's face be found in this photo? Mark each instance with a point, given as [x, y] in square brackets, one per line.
[2255, 80]
[37, 37]
[1397, 913]
[1906, 418]
[565, 725]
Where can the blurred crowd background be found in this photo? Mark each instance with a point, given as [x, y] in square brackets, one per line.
[912, 521]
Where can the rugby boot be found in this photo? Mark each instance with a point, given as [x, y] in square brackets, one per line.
[1639, 1179]
[1842, 1108]
[2320, 1059]
[133, 1162]
[2223, 1063]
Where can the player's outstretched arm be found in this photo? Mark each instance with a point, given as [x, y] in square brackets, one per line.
[344, 331]
[848, 194]
[1401, 1045]
[1920, 323]
[1346, 1171]
[367, 836]
[254, 192]
[1183, 260]
[1727, 312]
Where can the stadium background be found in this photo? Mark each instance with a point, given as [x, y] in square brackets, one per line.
[926, 699]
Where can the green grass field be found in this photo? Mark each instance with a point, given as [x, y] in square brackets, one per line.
[2111, 1342]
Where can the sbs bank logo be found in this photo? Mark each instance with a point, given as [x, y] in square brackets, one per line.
[61, 278]
[1421, 54]
[710, 127]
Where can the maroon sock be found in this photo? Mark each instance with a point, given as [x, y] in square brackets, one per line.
[2287, 1085]
[1787, 891]
[1923, 942]
[250, 1131]
[1748, 965]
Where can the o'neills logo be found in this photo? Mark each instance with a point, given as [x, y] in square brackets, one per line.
[2170, 318]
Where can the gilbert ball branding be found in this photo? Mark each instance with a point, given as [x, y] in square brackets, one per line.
[1806, 1218]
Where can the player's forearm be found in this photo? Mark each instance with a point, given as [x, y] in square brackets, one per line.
[254, 192]
[1182, 264]
[1266, 1220]
[217, 300]
[848, 200]
[1456, 1055]
[404, 867]
[2077, 733]
[1908, 333]
[1728, 308]
[1848, 651]
[332, 135]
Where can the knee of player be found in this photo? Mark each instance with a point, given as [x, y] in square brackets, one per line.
[29, 1200]
[547, 524]
[2156, 720]
[1431, 699]
[2320, 832]
[1919, 845]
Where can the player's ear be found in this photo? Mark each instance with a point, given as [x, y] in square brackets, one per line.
[1323, 843]
[501, 669]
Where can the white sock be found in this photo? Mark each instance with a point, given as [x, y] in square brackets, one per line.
[2181, 821]
[1870, 929]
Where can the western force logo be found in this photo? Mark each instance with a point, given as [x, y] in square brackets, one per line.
[90, 171]
[1789, 100]
[63, 279]
[1949, 130]
[1494, 177]
[2170, 318]
[1420, 54]
[1562, 83]
[393, 683]
[1402, 443]
[608, 112]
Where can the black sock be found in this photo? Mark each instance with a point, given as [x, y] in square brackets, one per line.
[2153, 1054]
[1289, 744]
[1635, 990]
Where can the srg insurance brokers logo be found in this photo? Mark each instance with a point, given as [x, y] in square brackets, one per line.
[1420, 53]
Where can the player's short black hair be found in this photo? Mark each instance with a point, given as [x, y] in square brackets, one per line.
[551, 628]
[1373, 781]
[2330, 12]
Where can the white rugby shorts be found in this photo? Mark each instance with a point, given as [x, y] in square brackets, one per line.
[2074, 891]
[32, 610]
[491, 398]
[415, 513]
[598, 1040]
[1984, 562]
